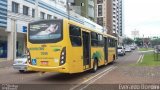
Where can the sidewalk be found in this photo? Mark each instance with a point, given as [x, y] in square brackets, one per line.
[5, 63]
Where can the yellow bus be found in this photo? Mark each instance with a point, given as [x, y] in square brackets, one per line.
[66, 46]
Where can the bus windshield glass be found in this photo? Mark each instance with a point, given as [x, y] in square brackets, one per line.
[45, 31]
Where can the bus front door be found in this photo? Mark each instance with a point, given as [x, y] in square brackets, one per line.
[86, 50]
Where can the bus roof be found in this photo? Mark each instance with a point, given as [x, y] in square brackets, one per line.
[79, 24]
[90, 29]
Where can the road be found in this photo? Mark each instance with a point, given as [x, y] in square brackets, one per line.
[123, 71]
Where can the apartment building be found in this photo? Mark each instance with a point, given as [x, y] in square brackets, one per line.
[85, 8]
[109, 15]
[120, 31]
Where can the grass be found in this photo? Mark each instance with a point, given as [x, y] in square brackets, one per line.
[149, 60]
[145, 49]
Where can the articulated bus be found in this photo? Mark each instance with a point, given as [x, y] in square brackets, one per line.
[66, 46]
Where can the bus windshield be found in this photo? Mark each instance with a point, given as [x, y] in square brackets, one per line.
[45, 31]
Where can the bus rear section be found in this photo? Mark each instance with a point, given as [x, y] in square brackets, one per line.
[47, 46]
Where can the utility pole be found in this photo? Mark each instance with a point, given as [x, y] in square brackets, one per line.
[143, 40]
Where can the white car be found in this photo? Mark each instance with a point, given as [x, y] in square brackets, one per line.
[21, 64]
[128, 49]
[133, 47]
[121, 50]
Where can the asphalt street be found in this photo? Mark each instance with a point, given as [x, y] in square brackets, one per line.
[122, 71]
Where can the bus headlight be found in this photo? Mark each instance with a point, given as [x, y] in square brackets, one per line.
[63, 56]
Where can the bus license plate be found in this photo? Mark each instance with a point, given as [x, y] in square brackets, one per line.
[44, 63]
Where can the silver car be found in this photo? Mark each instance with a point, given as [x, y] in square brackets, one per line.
[128, 49]
[20, 64]
[121, 50]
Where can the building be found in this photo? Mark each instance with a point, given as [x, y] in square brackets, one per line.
[109, 15]
[121, 19]
[16, 14]
[3, 27]
[85, 8]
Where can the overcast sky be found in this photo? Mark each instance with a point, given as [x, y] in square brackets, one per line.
[142, 15]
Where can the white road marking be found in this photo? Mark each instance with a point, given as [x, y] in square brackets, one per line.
[139, 59]
[98, 78]
[92, 77]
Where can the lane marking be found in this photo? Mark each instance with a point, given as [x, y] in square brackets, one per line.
[139, 59]
[92, 77]
[98, 78]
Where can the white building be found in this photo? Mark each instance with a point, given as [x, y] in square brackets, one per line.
[17, 16]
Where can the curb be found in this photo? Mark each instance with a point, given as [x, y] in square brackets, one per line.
[147, 51]
[4, 60]
[6, 63]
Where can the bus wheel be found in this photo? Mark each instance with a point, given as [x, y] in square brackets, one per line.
[95, 66]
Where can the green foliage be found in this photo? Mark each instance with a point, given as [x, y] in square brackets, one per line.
[155, 41]
[128, 41]
[139, 41]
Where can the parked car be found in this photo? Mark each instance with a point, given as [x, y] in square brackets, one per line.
[121, 50]
[21, 64]
[128, 49]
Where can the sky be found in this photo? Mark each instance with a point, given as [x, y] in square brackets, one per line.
[142, 15]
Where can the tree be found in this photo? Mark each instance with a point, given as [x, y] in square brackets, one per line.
[128, 41]
[155, 41]
[139, 41]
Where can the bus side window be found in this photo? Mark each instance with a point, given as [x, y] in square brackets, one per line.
[110, 42]
[75, 35]
[100, 40]
[94, 39]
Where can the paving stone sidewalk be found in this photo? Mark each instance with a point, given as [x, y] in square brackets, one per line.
[5, 63]
[129, 73]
